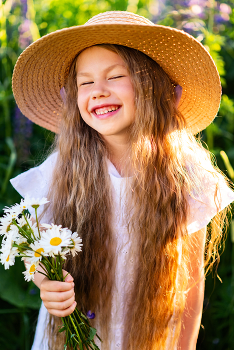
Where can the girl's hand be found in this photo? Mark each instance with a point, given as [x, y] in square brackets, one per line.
[58, 297]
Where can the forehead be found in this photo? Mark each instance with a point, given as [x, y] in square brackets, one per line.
[96, 57]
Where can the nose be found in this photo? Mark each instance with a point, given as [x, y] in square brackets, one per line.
[99, 91]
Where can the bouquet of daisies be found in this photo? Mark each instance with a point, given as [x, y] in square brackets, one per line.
[46, 246]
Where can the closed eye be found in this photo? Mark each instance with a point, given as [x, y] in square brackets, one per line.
[86, 83]
[116, 77]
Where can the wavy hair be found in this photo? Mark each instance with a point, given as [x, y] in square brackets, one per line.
[166, 167]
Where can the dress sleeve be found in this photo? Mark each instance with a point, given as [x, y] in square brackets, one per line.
[36, 183]
[214, 195]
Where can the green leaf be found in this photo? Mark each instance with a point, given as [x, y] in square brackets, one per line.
[62, 329]
[92, 333]
[15, 290]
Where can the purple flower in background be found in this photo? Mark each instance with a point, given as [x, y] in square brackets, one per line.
[223, 16]
[25, 36]
[90, 315]
[22, 134]
[24, 7]
[22, 125]
[190, 26]
[198, 8]
[201, 3]
[220, 19]
[224, 8]
[182, 3]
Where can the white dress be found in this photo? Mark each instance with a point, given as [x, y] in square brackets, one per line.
[202, 208]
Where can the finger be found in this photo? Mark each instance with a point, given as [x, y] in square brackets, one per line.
[68, 278]
[56, 286]
[56, 296]
[62, 313]
[61, 306]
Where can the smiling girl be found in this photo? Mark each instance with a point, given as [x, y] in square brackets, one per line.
[125, 97]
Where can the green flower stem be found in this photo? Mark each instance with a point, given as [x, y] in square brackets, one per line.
[37, 223]
[60, 266]
[43, 273]
[25, 218]
[22, 232]
[46, 268]
[55, 272]
[22, 247]
[81, 333]
[74, 327]
[86, 326]
[69, 340]
[43, 267]
[82, 318]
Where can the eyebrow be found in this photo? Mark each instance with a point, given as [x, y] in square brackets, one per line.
[108, 69]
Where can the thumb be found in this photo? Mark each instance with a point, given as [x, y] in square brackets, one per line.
[68, 277]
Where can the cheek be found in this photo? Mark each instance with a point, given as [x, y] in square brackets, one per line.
[128, 94]
[130, 99]
[81, 102]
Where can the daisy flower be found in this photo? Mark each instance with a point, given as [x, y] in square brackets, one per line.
[14, 209]
[10, 238]
[6, 223]
[22, 222]
[9, 244]
[54, 239]
[30, 270]
[34, 202]
[76, 244]
[64, 252]
[49, 226]
[20, 239]
[7, 257]
[36, 253]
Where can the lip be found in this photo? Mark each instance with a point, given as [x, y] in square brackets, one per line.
[106, 115]
[104, 105]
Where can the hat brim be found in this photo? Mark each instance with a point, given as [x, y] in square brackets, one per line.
[42, 69]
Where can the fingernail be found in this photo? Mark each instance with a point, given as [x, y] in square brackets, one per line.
[68, 278]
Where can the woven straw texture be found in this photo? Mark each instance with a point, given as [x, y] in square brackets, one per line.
[42, 68]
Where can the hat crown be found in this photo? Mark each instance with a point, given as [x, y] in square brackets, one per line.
[119, 17]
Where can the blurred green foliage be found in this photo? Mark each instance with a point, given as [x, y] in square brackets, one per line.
[22, 144]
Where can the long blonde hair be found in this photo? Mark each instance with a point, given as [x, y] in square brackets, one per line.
[163, 175]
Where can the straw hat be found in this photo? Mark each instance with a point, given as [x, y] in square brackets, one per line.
[42, 68]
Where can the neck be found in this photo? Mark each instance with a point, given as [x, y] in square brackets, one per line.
[118, 154]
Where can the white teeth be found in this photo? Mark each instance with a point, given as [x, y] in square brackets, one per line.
[110, 109]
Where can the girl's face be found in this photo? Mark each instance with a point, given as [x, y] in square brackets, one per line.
[105, 92]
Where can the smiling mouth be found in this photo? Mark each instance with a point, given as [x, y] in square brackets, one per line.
[105, 110]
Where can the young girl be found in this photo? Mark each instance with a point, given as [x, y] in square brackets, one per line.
[125, 97]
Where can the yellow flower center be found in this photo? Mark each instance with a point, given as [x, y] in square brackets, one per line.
[55, 241]
[8, 258]
[38, 252]
[32, 269]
